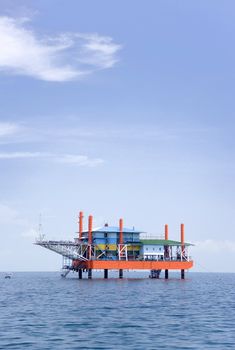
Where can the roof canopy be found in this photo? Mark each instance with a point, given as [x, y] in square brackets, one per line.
[163, 242]
[114, 229]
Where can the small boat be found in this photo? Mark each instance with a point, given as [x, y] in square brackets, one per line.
[7, 276]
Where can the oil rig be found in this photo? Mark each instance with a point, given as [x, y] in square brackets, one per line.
[119, 248]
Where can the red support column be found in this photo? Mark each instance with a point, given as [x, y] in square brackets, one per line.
[80, 224]
[182, 238]
[121, 231]
[90, 219]
[166, 233]
[182, 246]
[166, 252]
[120, 242]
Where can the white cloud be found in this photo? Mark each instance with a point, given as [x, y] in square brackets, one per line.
[15, 155]
[98, 51]
[75, 159]
[79, 160]
[65, 57]
[214, 246]
[8, 129]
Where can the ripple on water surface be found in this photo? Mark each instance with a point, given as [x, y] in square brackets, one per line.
[43, 311]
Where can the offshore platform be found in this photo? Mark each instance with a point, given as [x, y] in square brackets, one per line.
[119, 248]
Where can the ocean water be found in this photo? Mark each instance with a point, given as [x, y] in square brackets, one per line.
[44, 311]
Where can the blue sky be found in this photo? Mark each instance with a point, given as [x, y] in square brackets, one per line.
[119, 109]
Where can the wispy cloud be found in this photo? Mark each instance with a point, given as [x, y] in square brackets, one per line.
[65, 57]
[79, 160]
[15, 155]
[8, 129]
[76, 159]
[215, 246]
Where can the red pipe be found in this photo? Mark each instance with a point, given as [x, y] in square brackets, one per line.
[90, 219]
[166, 233]
[166, 248]
[80, 224]
[121, 231]
[182, 237]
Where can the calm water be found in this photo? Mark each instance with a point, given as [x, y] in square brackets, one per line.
[43, 311]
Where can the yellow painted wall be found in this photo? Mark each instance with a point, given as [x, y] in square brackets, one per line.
[115, 247]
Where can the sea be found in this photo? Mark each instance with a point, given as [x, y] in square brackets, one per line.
[41, 310]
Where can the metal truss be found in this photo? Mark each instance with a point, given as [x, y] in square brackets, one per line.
[122, 251]
[68, 249]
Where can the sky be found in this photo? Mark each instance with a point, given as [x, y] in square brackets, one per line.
[118, 109]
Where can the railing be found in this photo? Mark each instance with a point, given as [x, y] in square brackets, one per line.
[78, 251]
[52, 242]
[141, 258]
[154, 258]
[149, 236]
